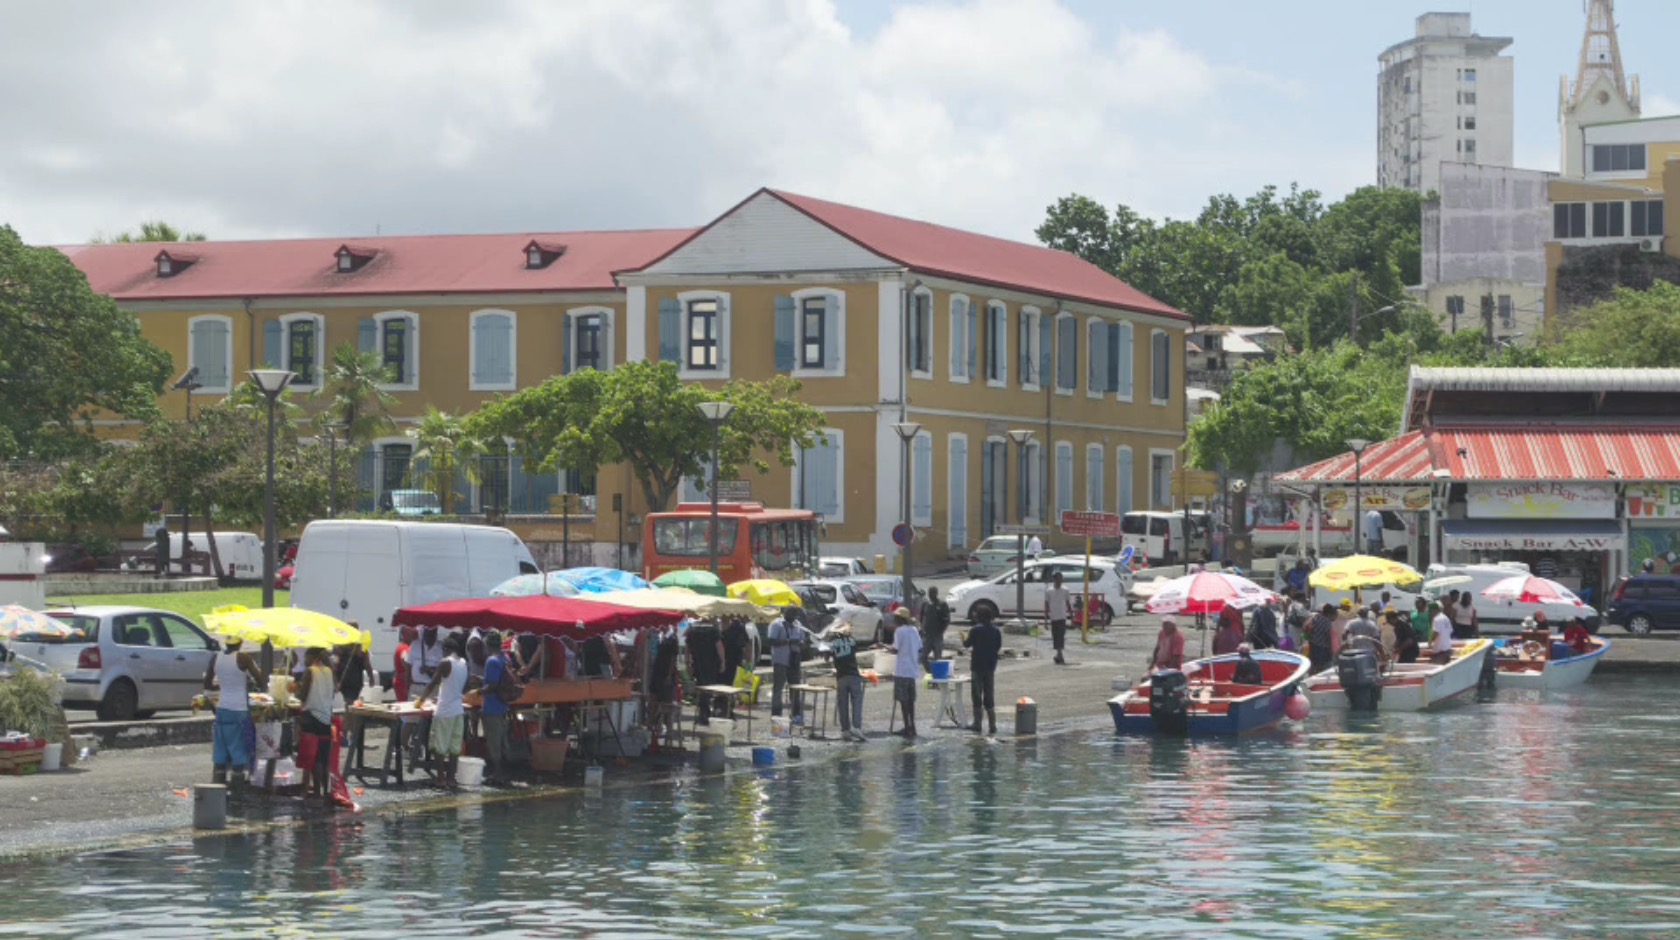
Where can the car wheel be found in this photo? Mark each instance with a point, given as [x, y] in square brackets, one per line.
[121, 702]
[1639, 624]
[1105, 615]
[982, 608]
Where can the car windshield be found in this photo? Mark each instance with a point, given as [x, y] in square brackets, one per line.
[86, 627]
[821, 593]
[832, 569]
[878, 590]
[1000, 543]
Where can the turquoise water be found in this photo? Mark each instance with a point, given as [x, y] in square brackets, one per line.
[1527, 817]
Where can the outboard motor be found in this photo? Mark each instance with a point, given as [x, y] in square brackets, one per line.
[1487, 684]
[1361, 677]
[1169, 702]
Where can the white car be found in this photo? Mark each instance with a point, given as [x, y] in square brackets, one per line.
[1109, 585]
[840, 602]
[834, 566]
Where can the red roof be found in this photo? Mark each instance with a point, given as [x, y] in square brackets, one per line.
[410, 264]
[1510, 452]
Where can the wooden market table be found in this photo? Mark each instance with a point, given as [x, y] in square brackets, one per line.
[358, 717]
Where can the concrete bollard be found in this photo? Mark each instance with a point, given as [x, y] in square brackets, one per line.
[210, 806]
[1026, 716]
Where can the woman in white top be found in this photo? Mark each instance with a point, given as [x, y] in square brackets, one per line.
[316, 691]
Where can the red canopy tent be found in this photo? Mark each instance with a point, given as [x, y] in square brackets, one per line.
[539, 614]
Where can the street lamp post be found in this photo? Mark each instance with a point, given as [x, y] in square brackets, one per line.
[716, 413]
[272, 382]
[332, 428]
[907, 431]
[1021, 438]
[1358, 445]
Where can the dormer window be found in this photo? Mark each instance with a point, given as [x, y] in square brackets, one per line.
[351, 258]
[542, 254]
[169, 265]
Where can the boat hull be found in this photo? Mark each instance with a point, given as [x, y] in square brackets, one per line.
[1249, 713]
[1557, 674]
[1410, 686]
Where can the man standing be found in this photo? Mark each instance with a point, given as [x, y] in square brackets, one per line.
[907, 643]
[1169, 647]
[1056, 611]
[848, 683]
[1263, 626]
[986, 642]
[785, 643]
[735, 645]
[936, 617]
[1320, 629]
[1441, 646]
[161, 551]
[423, 661]
[1298, 576]
[495, 709]
[233, 737]
[1420, 620]
[1035, 546]
[1363, 633]
[449, 720]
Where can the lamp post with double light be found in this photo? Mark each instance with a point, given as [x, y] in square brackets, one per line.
[272, 382]
[906, 431]
[1358, 445]
[1022, 438]
[715, 413]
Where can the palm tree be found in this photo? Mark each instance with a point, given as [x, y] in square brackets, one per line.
[357, 398]
[443, 441]
[156, 231]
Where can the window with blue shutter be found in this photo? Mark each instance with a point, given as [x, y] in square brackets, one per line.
[1096, 374]
[959, 338]
[367, 335]
[1094, 478]
[814, 340]
[367, 479]
[957, 522]
[272, 341]
[1123, 480]
[973, 334]
[1067, 354]
[921, 477]
[394, 349]
[1064, 478]
[921, 332]
[1046, 348]
[787, 325]
[1113, 358]
[301, 343]
[696, 488]
[819, 471]
[210, 352]
[997, 327]
[670, 330]
[1127, 357]
[703, 337]
[588, 349]
[1041, 484]
[492, 349]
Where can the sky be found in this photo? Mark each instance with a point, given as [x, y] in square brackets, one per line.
[289, 118]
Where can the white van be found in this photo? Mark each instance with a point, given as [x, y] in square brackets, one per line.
[364, 570]
[1161, 538]
[1502, 616]
[241, 553]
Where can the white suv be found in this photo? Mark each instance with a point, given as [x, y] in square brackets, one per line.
[1109, 586]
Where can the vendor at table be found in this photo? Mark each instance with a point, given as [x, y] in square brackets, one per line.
[600, 658]
[233, 737]
[315, 690]
[528, 656]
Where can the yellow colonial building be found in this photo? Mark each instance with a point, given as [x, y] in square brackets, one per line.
[883, 319]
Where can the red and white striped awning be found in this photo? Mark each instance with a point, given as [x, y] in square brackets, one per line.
[1635, 452]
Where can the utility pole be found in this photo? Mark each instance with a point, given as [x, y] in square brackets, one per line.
[1353, 310]
[1487, 322]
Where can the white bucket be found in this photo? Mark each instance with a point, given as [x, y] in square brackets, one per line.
[50, 757]
[885, 663]
[593, 776]
[718, 727]
[469, 772]
[373, 694]
[780, 727]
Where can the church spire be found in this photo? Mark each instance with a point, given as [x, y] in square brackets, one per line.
[1601, 57]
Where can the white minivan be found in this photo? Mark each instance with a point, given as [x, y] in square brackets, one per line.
[364, 570]
[241, 553]
[1161, 536]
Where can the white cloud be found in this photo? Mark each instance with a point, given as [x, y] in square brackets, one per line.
[282, 118]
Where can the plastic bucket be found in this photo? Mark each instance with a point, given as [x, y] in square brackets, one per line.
[940, 668]
[718, 727]
[593, 776]
[51, 755]
[780, 726]
[469, 772]
[764, 756]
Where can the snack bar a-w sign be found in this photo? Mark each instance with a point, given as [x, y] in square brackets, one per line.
[1101, 525]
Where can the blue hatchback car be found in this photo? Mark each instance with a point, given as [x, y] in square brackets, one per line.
[1645, 602]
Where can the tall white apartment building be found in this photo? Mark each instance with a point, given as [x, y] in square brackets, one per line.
[1442, 96]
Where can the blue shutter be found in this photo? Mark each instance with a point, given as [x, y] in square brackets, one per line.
[1114, 332]
[483, 365]
[959, 356]
[1023, 340]
[568, 340]
[1096, 378]
[1064, 479]
[822, 480]
[787, 332]
[1123, 476]
[1046, 348]
[367, 335]
[957, 524]
[670, 331]
[1128, 358]
[921, 504]
[502, 331]
[272, 343]
[973, 339]
[832, 327]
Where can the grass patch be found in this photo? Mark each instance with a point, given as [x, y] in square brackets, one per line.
[192, 604]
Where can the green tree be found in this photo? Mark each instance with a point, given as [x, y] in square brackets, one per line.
[155, 231]
[66, 353]
[356, 397]
[641, 414]
[445, 447]
[1633, 329]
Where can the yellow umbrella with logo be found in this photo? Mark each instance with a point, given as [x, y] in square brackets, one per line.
[285, 627]
[1359, 571]
[765, 592]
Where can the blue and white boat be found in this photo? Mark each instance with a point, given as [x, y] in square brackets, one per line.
[1547, 667]
[1202, 699]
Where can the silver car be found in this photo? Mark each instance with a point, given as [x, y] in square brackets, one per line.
[126, 662]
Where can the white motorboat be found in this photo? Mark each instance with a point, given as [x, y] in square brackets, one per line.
[1528, 664]
[1410, 686]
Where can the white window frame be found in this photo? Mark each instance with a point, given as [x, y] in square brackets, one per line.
[924, 520]
[838, 438]
[1056, 355]
[927, 334]
[1172, 467]
[834, 332]
[953, 507]
[951, 316]
[227, 353]
[1128, 391]
[1168, 357]
[1125, 490]
[1064, 499]
[1002, 381]
[1094, 488]
[725, 324]
[379, 320]
[473, 383]
[1033, 317]
[609, 334]
[320, 322]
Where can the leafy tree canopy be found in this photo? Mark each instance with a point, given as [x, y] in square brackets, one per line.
[65, 353]
[155, 231]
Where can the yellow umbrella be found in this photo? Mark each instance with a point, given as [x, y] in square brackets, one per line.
[285, 627]
[765, 592]
[1357, 571]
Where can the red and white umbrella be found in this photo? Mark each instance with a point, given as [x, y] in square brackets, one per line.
[1528, 589]
[1208, 592]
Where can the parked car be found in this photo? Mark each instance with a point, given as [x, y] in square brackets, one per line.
[828, 603]
[830, 566]
[125, 662]
[411, 503]
[1109, 586]
[886, 591]
[1645, 602]
[996, 553]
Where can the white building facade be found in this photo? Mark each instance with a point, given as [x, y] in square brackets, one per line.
[1484, 250]
[1444, 95]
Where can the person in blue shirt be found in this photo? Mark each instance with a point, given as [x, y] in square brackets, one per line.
[786, 644]
[1297, 577]
[495, 709]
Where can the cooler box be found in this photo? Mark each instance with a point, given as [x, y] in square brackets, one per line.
[548, 755]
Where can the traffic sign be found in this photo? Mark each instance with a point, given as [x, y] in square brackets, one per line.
[1022, 530]
[903, 535]
[1091, 524]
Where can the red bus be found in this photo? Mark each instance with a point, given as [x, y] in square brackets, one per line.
[753, 542]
